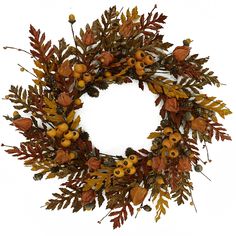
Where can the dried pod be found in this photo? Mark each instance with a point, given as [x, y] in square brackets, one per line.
[172, 105]
[62, 157]
[65, 69]
[180, 53]
[138, 194]
[93, 163]
[106, 58]
[88, 37]
[64, 99]
[23, 124]
[88, 197]
[93, 92]
[199, 124]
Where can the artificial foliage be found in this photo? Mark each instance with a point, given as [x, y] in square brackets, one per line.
[120, 47]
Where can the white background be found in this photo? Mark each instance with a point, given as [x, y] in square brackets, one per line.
[128, 115]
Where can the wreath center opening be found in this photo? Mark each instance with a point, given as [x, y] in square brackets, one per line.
[121, 117]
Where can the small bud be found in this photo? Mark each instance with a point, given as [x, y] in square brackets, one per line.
[198, 168]
[22, 69]
[93, 92]
[147, 208]
[72, 19]
[38, 176]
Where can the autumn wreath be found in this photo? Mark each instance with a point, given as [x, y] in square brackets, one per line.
[119, 48]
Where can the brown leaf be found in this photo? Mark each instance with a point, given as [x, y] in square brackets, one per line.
[172, 105]
[138, 194]
[23, 124]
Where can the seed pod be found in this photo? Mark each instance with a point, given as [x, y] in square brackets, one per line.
[23, 124]
[88, 197]
[64, 99]
[147, 208]
[38, 176]
[93, 92]
[138, 194]
[93, 163]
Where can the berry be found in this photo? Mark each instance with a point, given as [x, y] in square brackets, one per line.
[149, 163]
[119, 172]
[87, 77]
[127, 163]
[133, 158]
[59, 133]
[51, 133]
[65, 142]
[80, 68]
[148, 60]
[72, 155]
[108, 74]
[140, 72]
[167, 143]
[77, 101]
[175, 137]
[68, 134]
[139, 55]
[131, 170]
[76, 75]
[120, 163]
[167, 131]
[81, 84]
[173, 153]
[139, 65]
[198, 168]
[63, 127]
[131, 61]
[75, 135]
[160, 180]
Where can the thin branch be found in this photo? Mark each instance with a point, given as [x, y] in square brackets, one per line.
[24, 69]
[100, 221]
[18, 49]
[193, 200]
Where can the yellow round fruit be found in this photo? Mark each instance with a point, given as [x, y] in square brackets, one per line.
[59, 133]
[119, 172]
[120, 163]
[63, 127]
[75, 135]
[80, 68]
[87, 77]
[77, 101]
[140, 72]
[51, 133]
[72, 155]
[139, 65]
[149, 163]
[76, 75]
[160, 180]
[175, 137]
[167, 131]
[131, 61]
[65, 142]
[127, 163]
[131, 170]
[139, 55]
[68, 134]
[81, 84]
[173, 153]
[108, 74]
[148, 60]
[133, 158]
[167, 143]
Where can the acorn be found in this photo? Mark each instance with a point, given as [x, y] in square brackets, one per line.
[71, 18]
[198, 168]
[93, 92]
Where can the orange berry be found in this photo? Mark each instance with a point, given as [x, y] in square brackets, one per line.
[139, 65]
[133, 158]
[159, 180]
[77, 101]
[167, 131]
[175, 137]
[127, 163]
[81, 84]
[75, 135]
[87, 77]
[76, 75]
[167, 143]
[120, 163]
[173, 153]
[80, 68]
[65, 142]
[63, 127]
[68, 134]
[131, 170]
[140, 72]
[119, 172]
[148, 60]
[108, 74]
[131, 61]
[139, 55]
[51, 133]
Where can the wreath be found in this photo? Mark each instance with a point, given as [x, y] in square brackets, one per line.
[119, 48]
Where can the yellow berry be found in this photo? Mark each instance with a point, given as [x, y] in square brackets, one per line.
[87, 77]
[75, 135]
[76, 75]
[159, 180]
[65, 142]
[131, 170]
[51, 133]
[68, 134]
[140, 72]
[59, 133]
[72, 155]
[167, 131]
[139, 55]
[108, 74]
[167, 143]
[149, 163]
[139, 65]
[72, 18]
[173, 153]
[63, 127]
[77, 101]
[119, 172]
[133, 158]
[80, 68]
[175, 137]
[131, 61]
[81, 84]
[148, 60]
[120, 163]
[127, 163]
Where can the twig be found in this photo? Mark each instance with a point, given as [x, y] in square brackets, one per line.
[18, 49]
[26, 70]
[208, 156]
[100, 221]
[205, 176]
[193, 200]
[138, 210]
[73, 33]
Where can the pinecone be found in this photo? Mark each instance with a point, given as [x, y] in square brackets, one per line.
[101, 84]
[93, 92]
[84, 135]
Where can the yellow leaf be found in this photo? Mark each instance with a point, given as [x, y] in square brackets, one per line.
[50, 103]
[70, 117]
[123, 18]
[39, 82]
[38, 64]
[128, 14]
[154, 135]
[75, 123]
[40, 74]
[51, 175]
[151, 88]
[135, 13]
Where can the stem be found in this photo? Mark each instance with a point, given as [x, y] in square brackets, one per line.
[208, 156]
[193, 200]
[18, 49]
[138, 210]
[27, 70]
[73, 33]
[100, 221]
[205, 176]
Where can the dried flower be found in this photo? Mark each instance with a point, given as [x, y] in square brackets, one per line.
[138, 194]
[184, 164]
[88, 197]
[23, 124]
[199, 124]
[88, 37]
[93, 163]
[106, 58]
[64, 99]
[62, 157]
[180, 53]
[172, 105]
[65, 69]
[158, 163]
